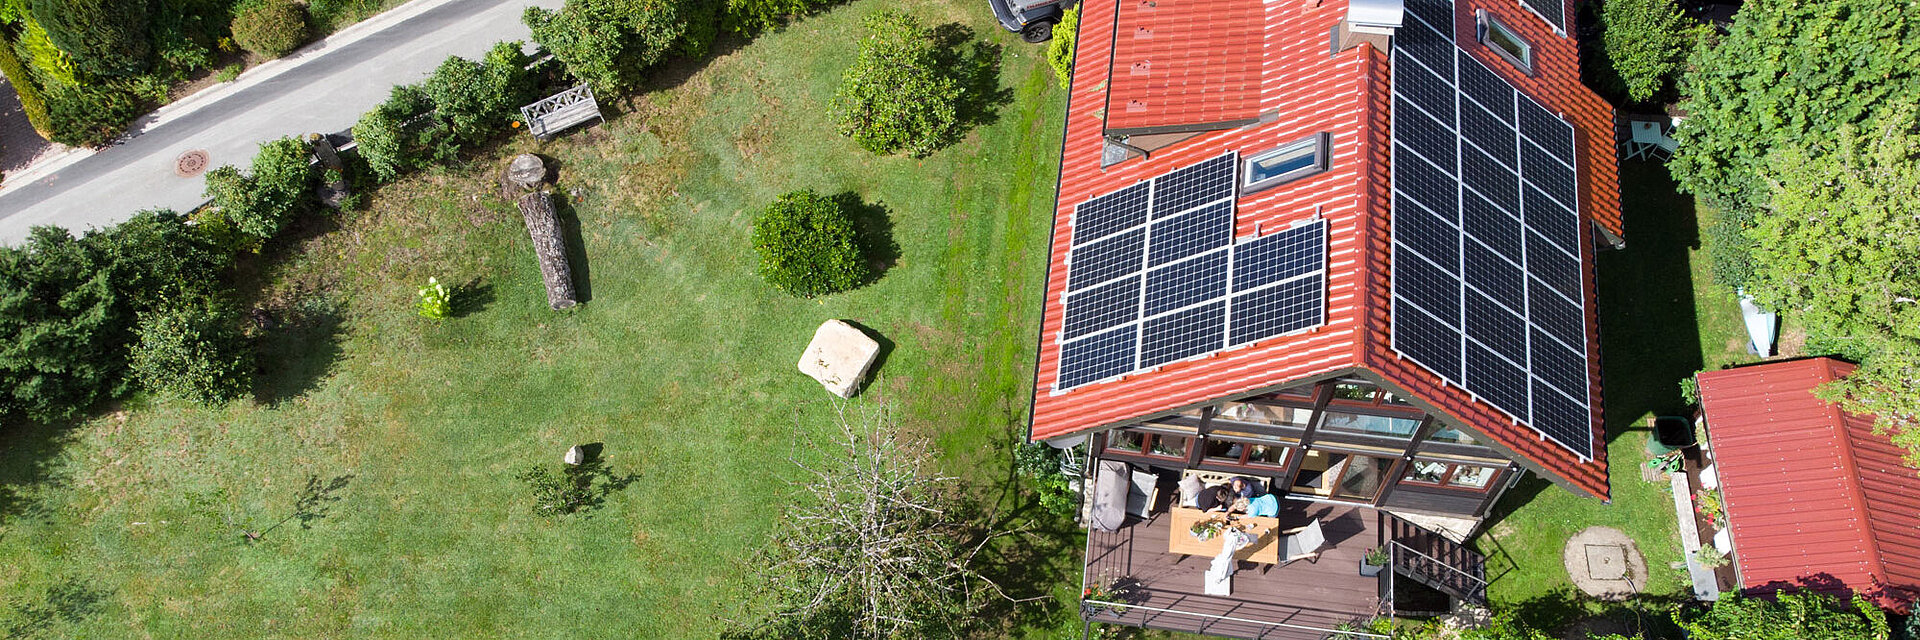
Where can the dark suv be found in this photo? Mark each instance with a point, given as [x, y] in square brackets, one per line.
[1032, 19]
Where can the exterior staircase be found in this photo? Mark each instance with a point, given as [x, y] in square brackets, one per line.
[1431, 559]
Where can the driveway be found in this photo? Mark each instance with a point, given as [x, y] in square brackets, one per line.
[322, 88]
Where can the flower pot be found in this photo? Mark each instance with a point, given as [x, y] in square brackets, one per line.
[1370, 570]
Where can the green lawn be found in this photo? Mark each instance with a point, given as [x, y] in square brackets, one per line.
[1659, 323]
[682, 364]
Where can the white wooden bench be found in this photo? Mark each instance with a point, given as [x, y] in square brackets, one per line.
[561, 111]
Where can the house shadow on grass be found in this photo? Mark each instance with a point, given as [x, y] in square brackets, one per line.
[1649, 326]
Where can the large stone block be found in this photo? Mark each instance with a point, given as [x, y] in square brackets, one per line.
[839, 357]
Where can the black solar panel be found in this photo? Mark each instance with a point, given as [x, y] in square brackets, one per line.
[1487, 282]
[1152, 293]
[1101, 308]
[1290, 306]
[1098, 357]
[1105, 260]
[1192, 186]
[1279, 256]
[1553, 11]
[1485, 88]
[1432, 343]
[1183, 283]
[1183, 334]
[1192, 233]
[1105, 215]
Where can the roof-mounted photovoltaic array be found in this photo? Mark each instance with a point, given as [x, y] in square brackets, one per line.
[1154, 276]
[1553, 11]
[1488, 291]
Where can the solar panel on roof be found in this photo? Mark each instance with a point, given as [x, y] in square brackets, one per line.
[1487, 282]
[1159, 292]
[1552, 11]
[1108, 214]
[1192, 186]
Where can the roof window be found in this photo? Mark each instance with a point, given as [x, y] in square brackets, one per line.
[1503, 41]
[1289, 162]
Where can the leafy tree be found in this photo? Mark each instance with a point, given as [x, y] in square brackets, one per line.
[90, 116]
[270, 28]
[157, 257]
[30, 100]
[1789, 73]
[1838, 246]
[473, 101]
[279, 188]
[808, 246]
[388, 138]
[105, 37]
[748, 17]
[1789, 616]
[1061, 48]
[1645, 41]
[609, 42]
[62, 328]
[879, 547]
[896, 97]
[193, 351]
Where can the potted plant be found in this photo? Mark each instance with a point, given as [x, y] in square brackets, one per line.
[1710, 505]
[1205, 530]
[1104, 597]
[1375, 560]
[1711, 557]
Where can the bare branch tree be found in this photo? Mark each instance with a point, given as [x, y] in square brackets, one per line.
[880, 548]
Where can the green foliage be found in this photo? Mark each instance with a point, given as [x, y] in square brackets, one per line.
[1506, 625]
[608, 43]
[105, 37]
[896, 97]
[228, 73]
[279, 187]
[1040, 464]
[1790, 73]
[1645, 41]
[90, 116]
[1061, 48]
[808, 246]
[330, 14]
[576, 488]
[1711, 557]
[387, 137]
[30, 100]
[50, 65]
[1790, 616]
[473, 101]
[1690, 390]
[184, 33]
[436, 300]
[270, 28]
[1837, 246]
[193, 351]
[748, 17]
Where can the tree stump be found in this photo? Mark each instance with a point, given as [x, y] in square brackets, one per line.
[334, 190]
[523, 174]
[543, 225]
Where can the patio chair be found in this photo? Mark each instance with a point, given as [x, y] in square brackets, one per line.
[1304, 543]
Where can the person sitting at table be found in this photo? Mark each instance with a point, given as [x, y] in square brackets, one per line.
[1215, 498]
[1245, 487]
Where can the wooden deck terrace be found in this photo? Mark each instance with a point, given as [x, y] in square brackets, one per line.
[1302, 600]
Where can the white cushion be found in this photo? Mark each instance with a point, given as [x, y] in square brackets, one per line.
[1190, 487]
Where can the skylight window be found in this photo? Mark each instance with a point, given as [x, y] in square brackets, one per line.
[1290, 162]
[1504, 42]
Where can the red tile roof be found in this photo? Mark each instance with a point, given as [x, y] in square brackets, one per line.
[1309, 91]
[1184, 62]
[1814, 498]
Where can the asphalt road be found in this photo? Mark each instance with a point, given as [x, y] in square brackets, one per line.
[323, 88]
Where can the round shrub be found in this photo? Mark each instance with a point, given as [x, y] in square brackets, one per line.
[193, 351]
[896, 97]
[270, 28]
[808, 246]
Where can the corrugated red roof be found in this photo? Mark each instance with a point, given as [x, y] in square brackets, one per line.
[1185, 62]
[1814, 498]
[1308, 90]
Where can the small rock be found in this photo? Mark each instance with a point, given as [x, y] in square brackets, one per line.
[839, 357]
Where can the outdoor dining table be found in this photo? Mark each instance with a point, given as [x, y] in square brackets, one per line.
[1266, 532]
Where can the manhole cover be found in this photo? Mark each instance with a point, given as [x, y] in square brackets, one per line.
[1606, 561]
[191, 163]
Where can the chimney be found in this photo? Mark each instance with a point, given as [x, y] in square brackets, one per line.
[1371, 21]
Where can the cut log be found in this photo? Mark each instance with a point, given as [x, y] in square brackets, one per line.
[526, 172]
[549, 247]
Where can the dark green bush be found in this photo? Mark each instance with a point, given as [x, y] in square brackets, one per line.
[390, 137]
[279, 187]
[896, 97]
[193, 351]
[607, 43]
[748, 17]
[1788, 616]
[105, 37]
[83, 116]
[474, 101]
[270, 28]
[808, 246]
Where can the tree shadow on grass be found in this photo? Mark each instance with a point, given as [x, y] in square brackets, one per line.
[1571, 614]
[975, 64]
[314, 502]
[297, 347]
[873, 232]
[67, 602]
[1028, 566]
